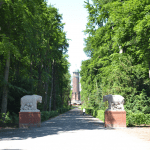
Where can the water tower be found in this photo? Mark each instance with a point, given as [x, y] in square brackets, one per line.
[76, 91]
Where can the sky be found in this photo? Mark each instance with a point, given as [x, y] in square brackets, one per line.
[75, 18]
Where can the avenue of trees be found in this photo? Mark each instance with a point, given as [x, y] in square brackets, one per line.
[33, 54]
[114, 26]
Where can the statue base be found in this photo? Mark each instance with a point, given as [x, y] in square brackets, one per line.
[29, 119]
[115, 119]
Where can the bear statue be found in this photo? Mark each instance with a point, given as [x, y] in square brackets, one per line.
[29, 103]
[115, 102]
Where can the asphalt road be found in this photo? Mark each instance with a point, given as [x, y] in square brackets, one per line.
[71, 131]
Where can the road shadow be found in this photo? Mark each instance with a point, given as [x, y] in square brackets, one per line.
[70, 121]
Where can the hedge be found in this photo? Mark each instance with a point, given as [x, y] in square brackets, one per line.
[45, 115]
[139, 118]
[132, 119]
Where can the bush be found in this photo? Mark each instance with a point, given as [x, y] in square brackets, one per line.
[14, 117]
[89, 111]
[63, 109]
[9, 118]
[138, 118]
[138, 103]
[45, 115]
[95, 113]
[100, 115]
[132, 119]
[129, 119]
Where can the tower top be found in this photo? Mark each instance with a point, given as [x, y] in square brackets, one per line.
[76, 70]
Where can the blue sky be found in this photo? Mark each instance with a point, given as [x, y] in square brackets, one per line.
[75, 18]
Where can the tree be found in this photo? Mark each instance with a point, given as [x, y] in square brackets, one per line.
[126, 22]
[32, 38]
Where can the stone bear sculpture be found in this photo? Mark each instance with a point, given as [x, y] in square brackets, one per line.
[115, 102]
[29, 103]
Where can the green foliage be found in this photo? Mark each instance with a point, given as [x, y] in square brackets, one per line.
[63, 110]
[88, 111]
[95, 113]
[14, 118]
[132, 119]
[138, 103]
[33, 34]
[45, 115]
[138, 118]
[100, 115]
[126, 27]
[7, 118]
[10, 118]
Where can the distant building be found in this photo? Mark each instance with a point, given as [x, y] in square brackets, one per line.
[75, 100]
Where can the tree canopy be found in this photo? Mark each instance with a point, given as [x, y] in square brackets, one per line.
[33, 53]
[114, 27]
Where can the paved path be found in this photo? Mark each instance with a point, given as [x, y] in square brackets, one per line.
[71, 131]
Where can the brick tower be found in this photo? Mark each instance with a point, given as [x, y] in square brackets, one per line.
[76, 92]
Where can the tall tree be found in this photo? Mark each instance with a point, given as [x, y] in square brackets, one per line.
[126, 27]
[31, 37]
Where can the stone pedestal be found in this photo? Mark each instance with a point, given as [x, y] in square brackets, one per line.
[29, 119]
[115, 119]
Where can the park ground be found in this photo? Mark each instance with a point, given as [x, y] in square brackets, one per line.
[72, 130]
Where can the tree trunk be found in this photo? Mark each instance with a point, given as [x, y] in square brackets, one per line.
[51, 86]
[45, 98]
[5, 88]
[149, 69]
[17, 68]
[46, 90]
[54, 88]
[1, 2]
[61, 95]
[39, 79]
[31, 74]
[70, 101]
